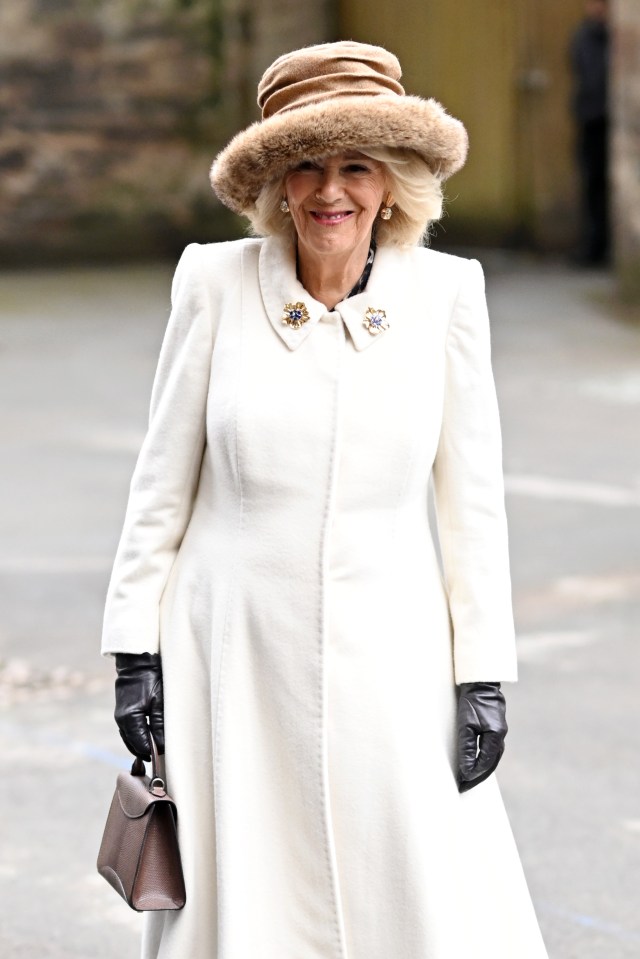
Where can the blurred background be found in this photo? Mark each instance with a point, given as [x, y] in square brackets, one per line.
[110, 115]
[112, 112]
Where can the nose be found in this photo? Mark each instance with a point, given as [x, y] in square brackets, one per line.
[330, 187]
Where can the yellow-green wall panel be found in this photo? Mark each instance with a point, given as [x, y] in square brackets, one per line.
[462, 55]
[501, 66]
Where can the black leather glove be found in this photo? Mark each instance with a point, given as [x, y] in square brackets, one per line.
[139, 696]
[482, 728]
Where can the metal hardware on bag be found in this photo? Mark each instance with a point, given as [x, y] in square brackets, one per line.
[157, 786]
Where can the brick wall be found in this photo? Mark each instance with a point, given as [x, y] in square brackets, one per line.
[112, 110]
[626, 144]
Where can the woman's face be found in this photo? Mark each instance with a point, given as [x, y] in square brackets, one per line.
[334, 201]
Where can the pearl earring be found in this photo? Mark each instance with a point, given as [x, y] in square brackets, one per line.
[284, 206]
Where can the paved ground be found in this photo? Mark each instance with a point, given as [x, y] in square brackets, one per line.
[77, 351]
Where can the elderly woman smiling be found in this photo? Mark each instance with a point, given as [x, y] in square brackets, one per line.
[356, 185]
[332, 702]
[333, 203]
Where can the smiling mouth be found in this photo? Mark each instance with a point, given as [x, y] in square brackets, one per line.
[331, 218]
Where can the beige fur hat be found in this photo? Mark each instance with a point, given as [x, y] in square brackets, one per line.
[329, 98]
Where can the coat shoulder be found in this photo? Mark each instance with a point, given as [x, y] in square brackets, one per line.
[448, 263]
[441, 272]
[213, 267]
[222, 254]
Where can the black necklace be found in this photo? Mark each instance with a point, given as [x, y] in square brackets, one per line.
[361, 285]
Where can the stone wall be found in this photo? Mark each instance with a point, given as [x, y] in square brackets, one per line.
[626, 145]
[112, 110]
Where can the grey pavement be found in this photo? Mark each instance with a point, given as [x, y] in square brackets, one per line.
[77, 354]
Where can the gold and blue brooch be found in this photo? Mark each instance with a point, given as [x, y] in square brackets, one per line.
[375, 321]
[294, 315]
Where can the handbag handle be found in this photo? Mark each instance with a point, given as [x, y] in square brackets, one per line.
[156, 783]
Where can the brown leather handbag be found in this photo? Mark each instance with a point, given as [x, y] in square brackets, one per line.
[139, 854]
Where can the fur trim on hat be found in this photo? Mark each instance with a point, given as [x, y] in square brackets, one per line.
[268, 149]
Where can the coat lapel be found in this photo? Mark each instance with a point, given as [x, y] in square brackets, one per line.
[379, 296]
[280, 286]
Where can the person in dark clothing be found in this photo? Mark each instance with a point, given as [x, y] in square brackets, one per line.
[589, 62]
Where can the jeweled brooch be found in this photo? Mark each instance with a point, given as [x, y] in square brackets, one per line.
[375, 321]
[294, 315]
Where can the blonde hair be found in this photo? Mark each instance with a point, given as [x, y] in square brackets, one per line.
[416, 190]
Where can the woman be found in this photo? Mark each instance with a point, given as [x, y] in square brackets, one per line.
[276, 564]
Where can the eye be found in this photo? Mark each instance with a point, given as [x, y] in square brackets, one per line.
[357, 168]
[306, 166]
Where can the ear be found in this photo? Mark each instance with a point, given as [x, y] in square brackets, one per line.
[389, 200]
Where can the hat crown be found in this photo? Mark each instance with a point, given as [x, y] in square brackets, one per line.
[327, 71]
[326, 99]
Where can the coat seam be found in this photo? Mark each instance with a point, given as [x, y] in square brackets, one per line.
[323, 756]
[227, 616]
[443, 502]
[184, 510]
[442, 451]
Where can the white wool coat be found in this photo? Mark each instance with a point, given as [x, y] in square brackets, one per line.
[277, 550]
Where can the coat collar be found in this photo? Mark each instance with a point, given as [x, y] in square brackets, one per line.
[279, 285]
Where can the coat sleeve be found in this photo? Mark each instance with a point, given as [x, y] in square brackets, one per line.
[469, 496]
[168, 468]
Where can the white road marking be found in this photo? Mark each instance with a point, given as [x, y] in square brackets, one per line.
[115, 441]
[56, 564]
[624, 389]
[540, 647]
[550, 488]
[593, 923]
[599, 589]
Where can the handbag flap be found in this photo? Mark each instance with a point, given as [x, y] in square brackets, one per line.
[135, 797]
